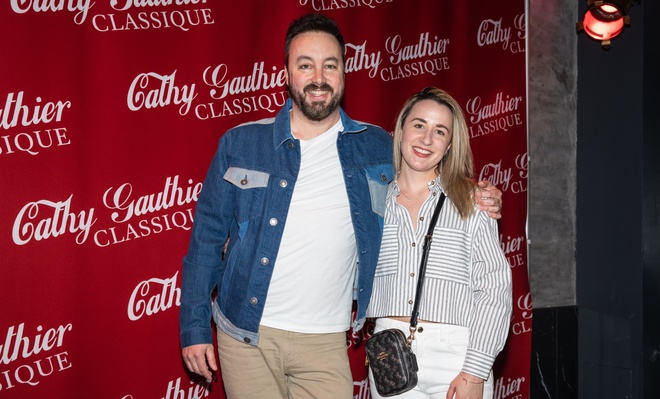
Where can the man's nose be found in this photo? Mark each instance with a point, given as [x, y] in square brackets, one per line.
[319, 76]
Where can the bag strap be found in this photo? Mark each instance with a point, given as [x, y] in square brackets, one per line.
[422, 267]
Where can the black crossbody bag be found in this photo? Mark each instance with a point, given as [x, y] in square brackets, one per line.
[389, 355]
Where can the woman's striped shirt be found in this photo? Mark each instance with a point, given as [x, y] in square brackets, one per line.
[468, 278]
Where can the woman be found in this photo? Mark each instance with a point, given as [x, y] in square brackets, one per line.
[466, 301]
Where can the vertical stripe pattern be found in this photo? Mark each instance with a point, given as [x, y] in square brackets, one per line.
[468, 278]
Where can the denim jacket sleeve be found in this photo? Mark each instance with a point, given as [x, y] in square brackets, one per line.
[202, 266]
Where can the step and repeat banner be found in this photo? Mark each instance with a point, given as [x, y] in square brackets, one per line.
[110, 112]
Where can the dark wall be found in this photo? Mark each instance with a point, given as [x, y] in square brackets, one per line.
[614, 168]
[594, 212]
[651, 202]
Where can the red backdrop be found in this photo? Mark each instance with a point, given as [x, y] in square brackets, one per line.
[110, 112]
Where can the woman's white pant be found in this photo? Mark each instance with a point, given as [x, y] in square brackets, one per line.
[440, 351]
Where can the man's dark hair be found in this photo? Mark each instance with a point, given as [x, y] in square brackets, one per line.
[312, 23]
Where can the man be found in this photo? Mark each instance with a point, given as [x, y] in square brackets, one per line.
[301, 200]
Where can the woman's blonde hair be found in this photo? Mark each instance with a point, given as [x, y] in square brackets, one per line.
[456, 168]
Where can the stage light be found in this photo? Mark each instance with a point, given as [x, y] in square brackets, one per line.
[605, 19]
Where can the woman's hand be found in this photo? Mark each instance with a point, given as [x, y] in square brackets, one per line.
[466, 386]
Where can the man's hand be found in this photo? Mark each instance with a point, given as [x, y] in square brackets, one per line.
[489, 199]
[199, 359]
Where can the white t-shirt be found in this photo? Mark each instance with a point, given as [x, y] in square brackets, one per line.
[312, 284]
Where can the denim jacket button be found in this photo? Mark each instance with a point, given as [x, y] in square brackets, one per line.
[290, 145]
[273, 222]
[254, 301]
[264, 261]
[283, 183]
[247, 340]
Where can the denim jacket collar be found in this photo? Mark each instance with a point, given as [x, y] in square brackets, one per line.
[282, 131]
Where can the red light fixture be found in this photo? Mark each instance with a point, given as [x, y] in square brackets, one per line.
[605, 19]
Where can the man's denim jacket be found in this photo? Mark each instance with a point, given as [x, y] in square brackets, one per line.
[246, 197]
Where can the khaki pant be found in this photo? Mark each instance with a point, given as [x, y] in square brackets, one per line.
[286, 365]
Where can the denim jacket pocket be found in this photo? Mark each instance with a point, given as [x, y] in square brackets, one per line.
[379, 177]
[251, 193]
[246, 178]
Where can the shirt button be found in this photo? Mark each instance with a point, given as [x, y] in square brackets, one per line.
[264, 261]
[273, 222]
[254, 301]
[247, 340]
[283, 183]
[420, 329]
[421, 218]
[413, 244]
[410, 301]
[412, 274]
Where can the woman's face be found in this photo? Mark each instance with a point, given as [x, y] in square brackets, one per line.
[426, 137]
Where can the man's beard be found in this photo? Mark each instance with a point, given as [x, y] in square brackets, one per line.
[316, 111]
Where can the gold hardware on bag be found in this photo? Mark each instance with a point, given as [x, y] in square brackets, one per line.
[411, 337]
